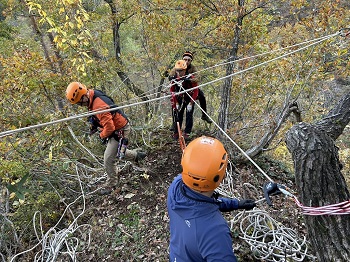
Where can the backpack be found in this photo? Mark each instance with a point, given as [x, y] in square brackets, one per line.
[94, 121]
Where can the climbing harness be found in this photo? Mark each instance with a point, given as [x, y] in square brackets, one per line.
[268, 240]
[122, 144]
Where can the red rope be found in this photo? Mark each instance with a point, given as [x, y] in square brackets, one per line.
[181, 137]
[342, 208]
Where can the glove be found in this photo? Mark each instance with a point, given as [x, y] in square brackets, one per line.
[93, 130]
[104, 140]
[246, 204]
[188, 77]
[189, 107]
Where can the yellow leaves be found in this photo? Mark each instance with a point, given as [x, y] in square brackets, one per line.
[87, 32]
[74, 42]
[70, 2]
[50, 154]
[33, 6]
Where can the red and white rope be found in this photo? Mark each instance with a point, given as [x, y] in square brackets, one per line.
[342, 208]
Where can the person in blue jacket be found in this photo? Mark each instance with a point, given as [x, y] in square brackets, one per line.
[198, 231]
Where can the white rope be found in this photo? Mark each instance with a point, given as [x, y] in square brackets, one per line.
[10, 132]
[81, 145]
[268, 239]
[322, 38]
[56, 242]
[226, 187]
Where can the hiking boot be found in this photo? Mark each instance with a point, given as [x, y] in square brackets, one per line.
[139, 156]
[186, 136]
[206, 119]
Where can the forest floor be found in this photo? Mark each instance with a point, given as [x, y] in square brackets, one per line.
[132, 224]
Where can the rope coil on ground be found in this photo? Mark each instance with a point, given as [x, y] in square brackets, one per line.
[61, 242]
[268, 239]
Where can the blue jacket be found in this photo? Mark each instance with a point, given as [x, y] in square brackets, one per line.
[198, 231]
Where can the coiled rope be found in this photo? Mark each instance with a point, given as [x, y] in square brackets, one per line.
[268, 239]
[67, 241]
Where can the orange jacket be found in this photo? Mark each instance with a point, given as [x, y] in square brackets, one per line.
[110, 121]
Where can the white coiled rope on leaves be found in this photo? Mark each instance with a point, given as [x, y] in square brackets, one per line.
[268, 239]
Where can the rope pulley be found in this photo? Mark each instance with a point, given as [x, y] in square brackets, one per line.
[273, 189]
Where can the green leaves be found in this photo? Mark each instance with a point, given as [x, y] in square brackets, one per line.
[18, 188]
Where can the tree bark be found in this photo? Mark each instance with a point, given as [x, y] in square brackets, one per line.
[117, 49]
[320, 182]
[226, 89]
[223, 119]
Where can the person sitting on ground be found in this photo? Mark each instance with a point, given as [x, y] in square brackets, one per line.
[184, 101]
[198, 231]
[114, 127]
[191, 69]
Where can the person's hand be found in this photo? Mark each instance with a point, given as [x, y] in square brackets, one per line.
[93, 130]
[187, 77]
[177, 106]
[189, 107]
[104, 140]
[246, 204]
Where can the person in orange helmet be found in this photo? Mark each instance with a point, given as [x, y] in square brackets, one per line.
[184, 101]
[113, 125]
[198, 231]
[192, 70]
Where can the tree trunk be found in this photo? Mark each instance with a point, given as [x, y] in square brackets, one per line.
[117, 49]
[320, 182]
[226, 89]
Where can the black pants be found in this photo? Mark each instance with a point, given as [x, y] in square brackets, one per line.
[179, 116]
[202, 100]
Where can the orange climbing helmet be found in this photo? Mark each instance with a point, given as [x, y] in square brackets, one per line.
[204, 163]
[180, 65]
[75, 91]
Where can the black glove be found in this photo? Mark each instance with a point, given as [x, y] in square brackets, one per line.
[94, 124]
[246, 204]
[104, 140]
[93, 130]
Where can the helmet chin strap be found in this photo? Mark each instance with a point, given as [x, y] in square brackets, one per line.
[213, 197]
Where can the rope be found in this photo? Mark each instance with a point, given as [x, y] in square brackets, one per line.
[61, 241]
[317, 40]
[342, 208]
[268, 239]
[314, 42]
[10, 132]
[181, 137]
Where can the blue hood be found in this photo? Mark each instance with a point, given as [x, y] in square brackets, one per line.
[187, 203]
